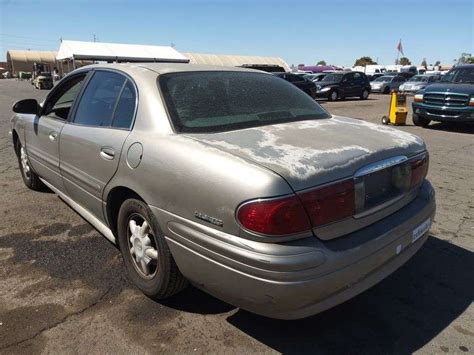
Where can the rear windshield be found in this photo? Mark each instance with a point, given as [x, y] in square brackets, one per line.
[217, 101]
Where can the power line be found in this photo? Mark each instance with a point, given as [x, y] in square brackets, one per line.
[28, 37]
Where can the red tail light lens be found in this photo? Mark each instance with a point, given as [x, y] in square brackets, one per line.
[419, 169]
[329, 203]
[280, 216]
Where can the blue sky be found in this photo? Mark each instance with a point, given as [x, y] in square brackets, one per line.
[298, 31]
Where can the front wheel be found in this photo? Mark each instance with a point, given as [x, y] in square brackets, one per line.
[420, 121]
[30, 178]
[333, 95]
[386, 90]
[145, 253]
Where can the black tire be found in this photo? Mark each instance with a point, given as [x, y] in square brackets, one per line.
[30, 178]
[385, 120]
[333, 95]
[364, 95]
[386, 90]
[420, 121]
[167, 280]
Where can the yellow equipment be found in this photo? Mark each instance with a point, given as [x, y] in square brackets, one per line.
[397, 114]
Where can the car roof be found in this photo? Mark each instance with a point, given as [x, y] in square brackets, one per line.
[165, 68]
[464, 66]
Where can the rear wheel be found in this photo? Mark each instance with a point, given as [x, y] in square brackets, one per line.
[364, 95]
[420, 121]
[333, 95]
[30, 178]
[146, 255]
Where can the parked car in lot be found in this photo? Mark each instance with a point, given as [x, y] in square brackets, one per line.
[340, 85]
[374, 76]
[385, 84]
[418, 82]
[316, 77]
[300, 82]
[449, 100]
[230, 178]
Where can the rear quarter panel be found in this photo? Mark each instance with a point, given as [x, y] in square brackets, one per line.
[182, 176]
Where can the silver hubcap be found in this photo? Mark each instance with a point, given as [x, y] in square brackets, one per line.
[334, 95]
[24, 162]
[365, 94]
[142, 247]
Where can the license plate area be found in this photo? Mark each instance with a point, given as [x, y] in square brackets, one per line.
[378, 188]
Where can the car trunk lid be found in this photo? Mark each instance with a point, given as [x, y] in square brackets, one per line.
[311, 153]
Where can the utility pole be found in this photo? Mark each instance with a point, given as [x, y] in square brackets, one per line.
[94, 38]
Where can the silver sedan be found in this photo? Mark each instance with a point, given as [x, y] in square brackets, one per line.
[385, 84]
[230, 179]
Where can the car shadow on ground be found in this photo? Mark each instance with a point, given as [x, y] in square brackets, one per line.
[452, 127]
[399, 315]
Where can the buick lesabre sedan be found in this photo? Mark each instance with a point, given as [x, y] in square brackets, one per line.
[231, 179]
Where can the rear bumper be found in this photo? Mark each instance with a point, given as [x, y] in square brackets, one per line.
[300, 278]
[442, 114]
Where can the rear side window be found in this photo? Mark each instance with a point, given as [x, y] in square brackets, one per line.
[221, 101]
[125, 108]
[98, 101]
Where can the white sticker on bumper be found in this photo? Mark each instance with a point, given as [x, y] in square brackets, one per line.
[419, 231]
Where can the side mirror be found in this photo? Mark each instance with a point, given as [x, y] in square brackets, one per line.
[28, 106]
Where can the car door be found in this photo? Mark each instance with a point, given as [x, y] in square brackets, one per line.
[358, 84]
[43, 138]
[347, 85]
[91, 142]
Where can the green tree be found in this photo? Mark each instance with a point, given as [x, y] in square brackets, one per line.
[321, 62]
[437, 63]
[469, 60]
[404, 61]
[363, 61]
[424, 63]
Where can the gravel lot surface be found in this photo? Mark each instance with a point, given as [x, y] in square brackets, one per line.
[63, 288]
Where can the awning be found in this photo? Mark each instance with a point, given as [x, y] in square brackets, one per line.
[118, 52]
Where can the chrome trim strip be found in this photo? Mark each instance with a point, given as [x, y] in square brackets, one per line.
[380, 165]
[89, 217]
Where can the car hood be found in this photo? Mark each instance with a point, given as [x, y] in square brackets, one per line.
[310, 153]
[451, 87]
[327, 83]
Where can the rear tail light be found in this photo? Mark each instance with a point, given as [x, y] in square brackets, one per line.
[471, 101]
[279, 216]
[329, 203]
[323, 205]
[419, 169]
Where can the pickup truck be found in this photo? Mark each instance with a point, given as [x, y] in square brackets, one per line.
[450, 100]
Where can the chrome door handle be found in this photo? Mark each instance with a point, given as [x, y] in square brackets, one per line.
[107, 153]
[52, 136]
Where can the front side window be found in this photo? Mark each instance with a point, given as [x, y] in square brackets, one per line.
[221, 101]
[60, 103]
[98, 101]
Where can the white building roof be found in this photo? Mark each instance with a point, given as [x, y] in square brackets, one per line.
[118, 52]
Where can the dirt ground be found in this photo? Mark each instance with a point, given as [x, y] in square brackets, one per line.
[63, 288]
